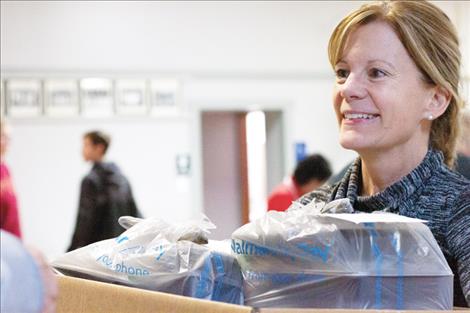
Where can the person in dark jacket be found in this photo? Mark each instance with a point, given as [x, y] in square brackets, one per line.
[105, 195]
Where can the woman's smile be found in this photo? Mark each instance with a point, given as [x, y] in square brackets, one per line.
[359, 118]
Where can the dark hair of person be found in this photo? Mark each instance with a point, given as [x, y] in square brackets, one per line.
[99, 138]
[312, 167]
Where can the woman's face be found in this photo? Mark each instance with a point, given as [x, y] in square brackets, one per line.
[380, 98]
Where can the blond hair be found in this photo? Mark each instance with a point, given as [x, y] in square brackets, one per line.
[431, 40]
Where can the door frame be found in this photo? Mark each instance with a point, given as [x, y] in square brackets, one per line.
[195, 117]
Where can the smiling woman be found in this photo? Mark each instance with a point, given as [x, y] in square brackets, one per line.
[371, 111]
[397, 103]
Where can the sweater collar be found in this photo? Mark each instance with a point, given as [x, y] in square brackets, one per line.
[391, 197]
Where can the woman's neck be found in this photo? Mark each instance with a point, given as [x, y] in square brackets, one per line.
[382, 169]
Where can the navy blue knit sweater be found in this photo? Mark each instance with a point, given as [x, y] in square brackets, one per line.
[430, 192]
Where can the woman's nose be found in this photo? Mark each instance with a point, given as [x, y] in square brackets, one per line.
[353, 87]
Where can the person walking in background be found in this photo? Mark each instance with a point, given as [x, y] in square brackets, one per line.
[9, 215]
[397, 103]
[308, 175]
[105, 195]
[462, 164]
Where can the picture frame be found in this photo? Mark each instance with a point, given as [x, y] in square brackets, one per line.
[23, 97]
[131, 97]
[165, 97]
[96, 97]
[61, 97]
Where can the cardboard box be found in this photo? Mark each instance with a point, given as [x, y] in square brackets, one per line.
[85, 296]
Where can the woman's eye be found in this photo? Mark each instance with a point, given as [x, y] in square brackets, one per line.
[376, 73]
[342, 73]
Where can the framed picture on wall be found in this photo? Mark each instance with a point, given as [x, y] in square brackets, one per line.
[61, 97]
[131, 96]
[23, 97]
[164, 97]
[96, 97]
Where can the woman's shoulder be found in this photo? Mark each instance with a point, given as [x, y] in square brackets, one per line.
[461, 207]
[450, 180]
[456, 187]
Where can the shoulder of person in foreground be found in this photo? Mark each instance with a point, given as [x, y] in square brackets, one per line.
[28, 284]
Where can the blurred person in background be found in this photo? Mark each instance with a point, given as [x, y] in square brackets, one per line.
[9, 215]
[105, 195]
[309, 174]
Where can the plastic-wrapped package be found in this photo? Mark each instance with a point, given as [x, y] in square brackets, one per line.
[300, 258]
[152, 254]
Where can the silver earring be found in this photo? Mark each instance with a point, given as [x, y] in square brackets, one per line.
[430, 117]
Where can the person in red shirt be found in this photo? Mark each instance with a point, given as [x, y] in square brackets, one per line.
[9, 219]
[309, 174]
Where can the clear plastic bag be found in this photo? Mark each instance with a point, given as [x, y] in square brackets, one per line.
[155, 255]
[301, 258]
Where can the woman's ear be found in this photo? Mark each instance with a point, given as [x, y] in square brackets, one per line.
[438, 103]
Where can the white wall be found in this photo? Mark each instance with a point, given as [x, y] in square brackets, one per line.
[229, 55]
[168, 35]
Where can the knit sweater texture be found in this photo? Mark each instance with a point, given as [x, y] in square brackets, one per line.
[430, 192]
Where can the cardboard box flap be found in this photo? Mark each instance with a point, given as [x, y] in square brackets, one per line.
[85, 296]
